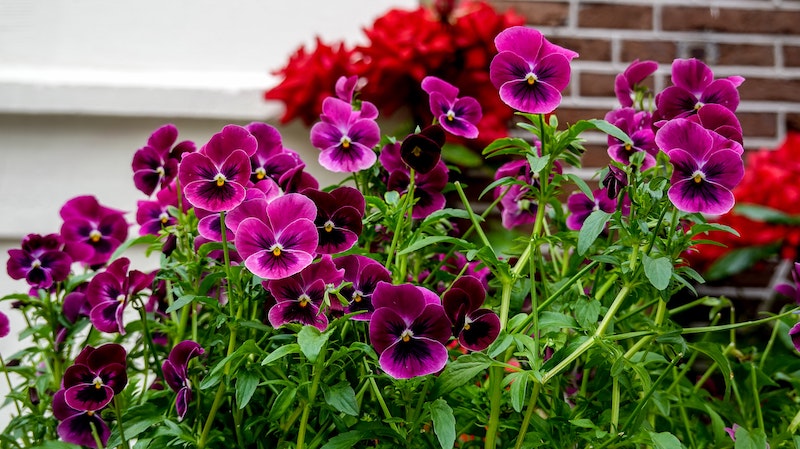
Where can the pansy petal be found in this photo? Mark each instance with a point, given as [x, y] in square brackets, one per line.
[480, 331]
[77, 429]
[413, 358]
[306, 313]
[404, 299]
[522, 40]
[794, 334]
[182, 400]
[88, 397]
[691, 74]
[537, 98]
[705, 197]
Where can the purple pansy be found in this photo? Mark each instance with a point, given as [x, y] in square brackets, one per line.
[299, 298]
[41, 261]
[518, 205]
[91, 231]
[156, 164]
[789, 290]
[721, 120]
[458, 116]
[281, 240]
[581, 206]
[339, 214]
[75, 425]
[408, 331]
[615, 180]
[474, 327]
[422, 151]
[693, 87]
[176, 373]
[271, 159]
[638, 126]
[628, 82]
[344, 137]
[5, 326]
[95, 377]
[529, 71]
[346, 89]
[706, 165]
[364, 274]
[153, 216]
[794, 334]
[428, 187]
[215, 178]
[109, 292]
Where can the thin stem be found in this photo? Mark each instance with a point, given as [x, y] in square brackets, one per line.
[495, 398]
[615, 398]
[312, 394]
[472, 217]
[118, 412]
[16, 404]
[767, 350]
[523, 428]
[756, 397]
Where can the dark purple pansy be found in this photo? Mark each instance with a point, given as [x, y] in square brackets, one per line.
[344, 137]
[75, 425]
[96, 376]
[408, 331]
[109, 292]
[281, 240]
[271, 159]
[156, 164]
[176, 373]
[638, 126]
[581, 206]
[428, 187]
[215, 178]
[5, 326]
[153, 216]
[474, 327]
[364, 274]
[423, 150]
[791, 291]
[693, 87]
[299, 298]
[529, 71]
[458, 116]
[339, 214]
[628, 82]
[794, 334]
[41, 261]
[91, 231]
[706, 165]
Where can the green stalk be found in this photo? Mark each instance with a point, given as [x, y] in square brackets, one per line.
[526, 420]
[118, 412]
[767, 350]
[495, 398]
[756, 397]
[16, 404]
[615, 397]
[472, 217]
[312, 394]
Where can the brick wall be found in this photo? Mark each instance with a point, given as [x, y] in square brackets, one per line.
[757, 39]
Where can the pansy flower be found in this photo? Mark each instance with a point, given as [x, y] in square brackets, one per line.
[344, 137]
[721, 120]
[75, 425]
[271, 159]
[91, 231]
[41, 261]
[791, 291]
[408, 331]
[364, 274]
[457, 115]
[422, 151]
[215, 178]
[706, 165]
[299, 298]
[156, 164]
[428, 187]
[529, 71]
[95, 377]
[281, 240]
[581, 206]
[518, 204]
[637, 125]
[176, 373]
[5, 326]
[474, 327]
[339, 214]
[153, 215]
[109, 292]
[615, 180]
[627, 83]
[693, 87]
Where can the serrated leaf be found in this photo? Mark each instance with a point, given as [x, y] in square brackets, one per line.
[658, 271]
[591, 229]
[311, 341]
[444, 423]
[342, 397]
[246, 384]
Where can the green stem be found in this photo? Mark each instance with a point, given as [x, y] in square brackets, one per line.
[615, 398]
[767, 350]
[118, 412]
[312, 394]
[472, 217]
[16, 404]
[377, 392]
[495, 398]
[756, 397]
[722, 327]
[523, 428]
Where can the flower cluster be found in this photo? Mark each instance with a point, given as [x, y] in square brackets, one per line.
[390, 310]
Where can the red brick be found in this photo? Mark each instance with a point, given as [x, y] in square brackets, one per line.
[793, 121]
[745, 54]
[588, 49]
[537, 13]
[629, 17]
[758, 124]
[596, 156]
[730, 20]
[659, 51]
[597, 85]
[771, 89]
[791, 56]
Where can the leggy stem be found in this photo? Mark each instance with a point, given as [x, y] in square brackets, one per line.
[312, 393]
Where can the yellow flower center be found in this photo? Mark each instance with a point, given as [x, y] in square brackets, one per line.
[304, 300]
[466, 326]
[220, 178]
[120, 298]
[261, 173]
[164, 218]
[160, 171]
[406, 335]
[328, 226]
[698, 105]
[628, 147]
[531, 79]
[357, 297]
[416, 151]
[276, 251]
[698, 178]
[345, 142]
[95, 236]
[451, 116]
[98, 382]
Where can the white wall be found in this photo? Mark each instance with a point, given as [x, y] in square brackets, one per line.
[83, 83]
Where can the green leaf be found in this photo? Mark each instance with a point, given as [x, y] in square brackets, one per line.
[434, 240]
[555, 321]
[665, 440]
[519, 389]
[581, 185]
[444, 423]
[591, 229]
[148, 239]
[537, 163]
[346, 440]
[283, 401]
[180, 303]
[292, 348]
[714, 351]
[445, 214]
[658, 270]
[459, 372]
[611, 130]
[750, 440]
[506, 143]
[766, 214]
[342, 397]
[137, 420]
[461, 155]
[311, 341]
[246, 384]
